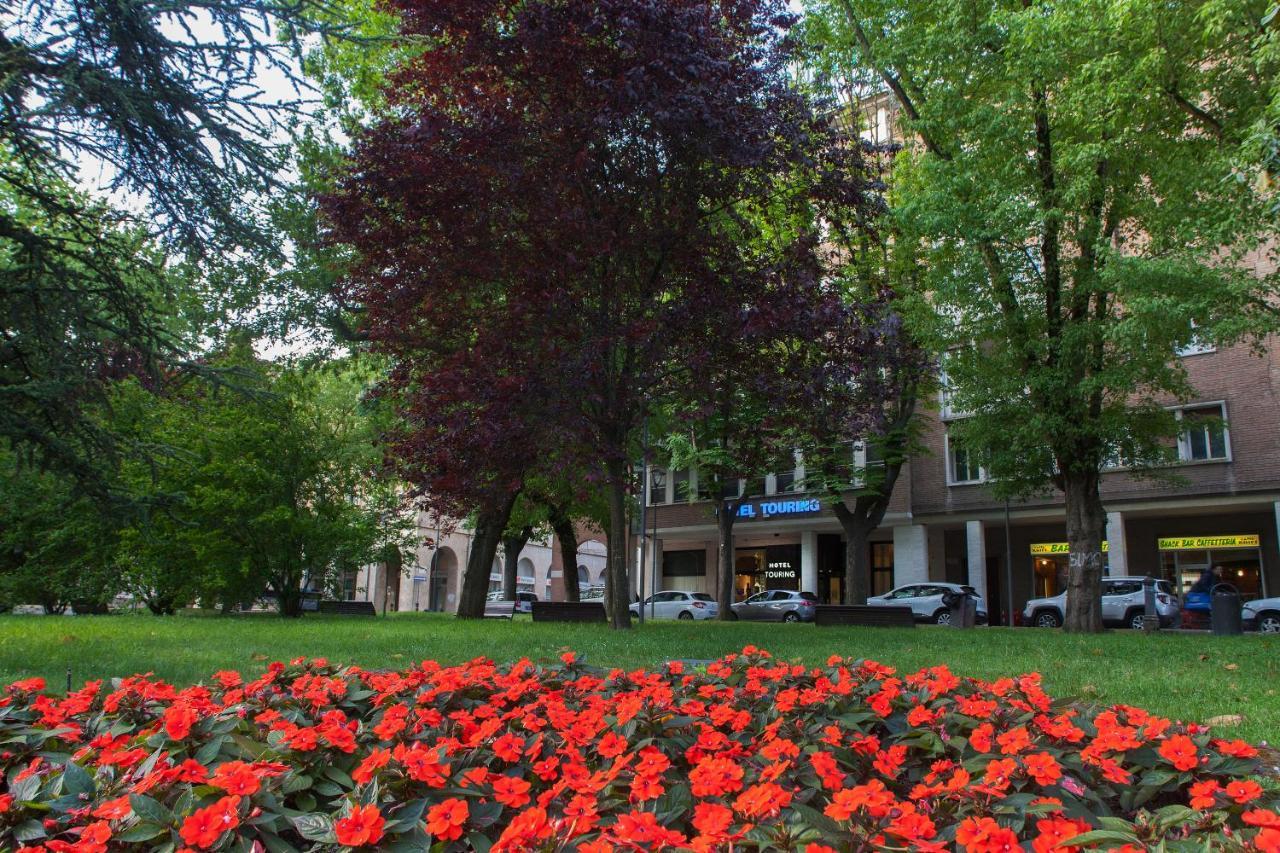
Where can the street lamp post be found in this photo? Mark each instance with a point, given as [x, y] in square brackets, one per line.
[659, 482]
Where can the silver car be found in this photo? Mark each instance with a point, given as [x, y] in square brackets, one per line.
[1123, 602]
[677, 604]
[777, 605]
[925, 601]
[1262, 615]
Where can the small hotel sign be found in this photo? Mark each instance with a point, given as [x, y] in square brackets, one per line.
[1056, 548]
[779, 509]
[1195, 543]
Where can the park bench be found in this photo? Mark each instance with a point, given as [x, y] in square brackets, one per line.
[500, 609]
[859, 614]
[347, 608]
[568, 611]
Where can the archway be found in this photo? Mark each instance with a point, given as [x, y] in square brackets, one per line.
[444, 565]
[526, 576]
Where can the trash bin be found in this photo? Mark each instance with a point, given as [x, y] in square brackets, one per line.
[963, 608]
[1224, 613]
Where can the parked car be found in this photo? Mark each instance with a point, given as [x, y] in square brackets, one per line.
[925, 601]
[677, 604]
[1123, 605]
[777, 605]
[1262, 615]
[523, 603]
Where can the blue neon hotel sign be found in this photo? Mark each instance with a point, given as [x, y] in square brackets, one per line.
[779, 509]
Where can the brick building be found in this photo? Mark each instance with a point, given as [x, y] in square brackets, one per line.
[945, 525]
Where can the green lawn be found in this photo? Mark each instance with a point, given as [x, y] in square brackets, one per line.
[1190, 677]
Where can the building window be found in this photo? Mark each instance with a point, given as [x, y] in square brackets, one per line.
[658, 479]
[1204, 436]
[786, 481]
[963, 466]
[680, 485]
[684, 564]
[755, 487]
[1196, 346]
[946, 395]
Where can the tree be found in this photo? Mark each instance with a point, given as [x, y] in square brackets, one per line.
[557, 188]
[270, 487]
[1069, 178]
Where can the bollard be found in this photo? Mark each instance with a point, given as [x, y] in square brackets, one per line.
[1150, 617]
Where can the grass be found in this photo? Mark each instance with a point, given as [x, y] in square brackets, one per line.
[1188, 677]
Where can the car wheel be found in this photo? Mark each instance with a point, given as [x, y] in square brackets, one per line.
[1269, 622]
[791, 617]
[1047, 619]
[942, 617]
[686, 615]
[1134, 619]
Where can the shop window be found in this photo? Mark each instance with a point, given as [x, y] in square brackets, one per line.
[684, 564]
[963, 466]
[1203, 437]
[881, 567]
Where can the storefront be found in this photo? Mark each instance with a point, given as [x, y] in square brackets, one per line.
[758, 569]
[1049, 562]
[1237, 558]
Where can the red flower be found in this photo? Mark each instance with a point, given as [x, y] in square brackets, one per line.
[712, 820]
[445, 820]
[1043, 768]
[642, 828]
[1204, 794]
[873, 797]
[114, 809]
[764, 800]
[236, 777]
[509, 747]
[715, 777]
[984, 835]
[524, 832]
[1244, 790]
[368, 768]
[362, 826]
[1235, 748]
[205, 826]
[1055, 832]
[1180, 751]
[511, 791]
[1261, 817]
[612, 745]
[1014, 741]
[178, 720]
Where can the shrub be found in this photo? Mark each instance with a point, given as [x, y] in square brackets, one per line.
[750, 752]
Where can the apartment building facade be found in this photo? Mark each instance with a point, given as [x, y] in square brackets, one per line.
[1221, 509]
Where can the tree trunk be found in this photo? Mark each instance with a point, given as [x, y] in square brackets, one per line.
[618, 586]
[490, 523]
[857, 562]
[512, 545]
[1086, 527]
[290, 597]
[724, 580]
[567, 539]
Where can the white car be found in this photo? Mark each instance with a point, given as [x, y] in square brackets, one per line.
[677, 604]
[1123, 602]
[1262, 615]
[925, 601]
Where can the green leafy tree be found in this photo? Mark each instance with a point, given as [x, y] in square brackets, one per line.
[1068, 175]
[272, 486]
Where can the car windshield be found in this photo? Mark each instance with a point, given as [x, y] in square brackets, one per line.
[702, 596]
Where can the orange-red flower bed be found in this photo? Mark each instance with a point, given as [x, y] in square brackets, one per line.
[750, 753]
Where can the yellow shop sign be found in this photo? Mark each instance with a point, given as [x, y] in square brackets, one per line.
[1196, 543]
[1057, 547]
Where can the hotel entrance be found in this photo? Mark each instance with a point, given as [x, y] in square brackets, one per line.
[758, 569]
[1183, 559]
